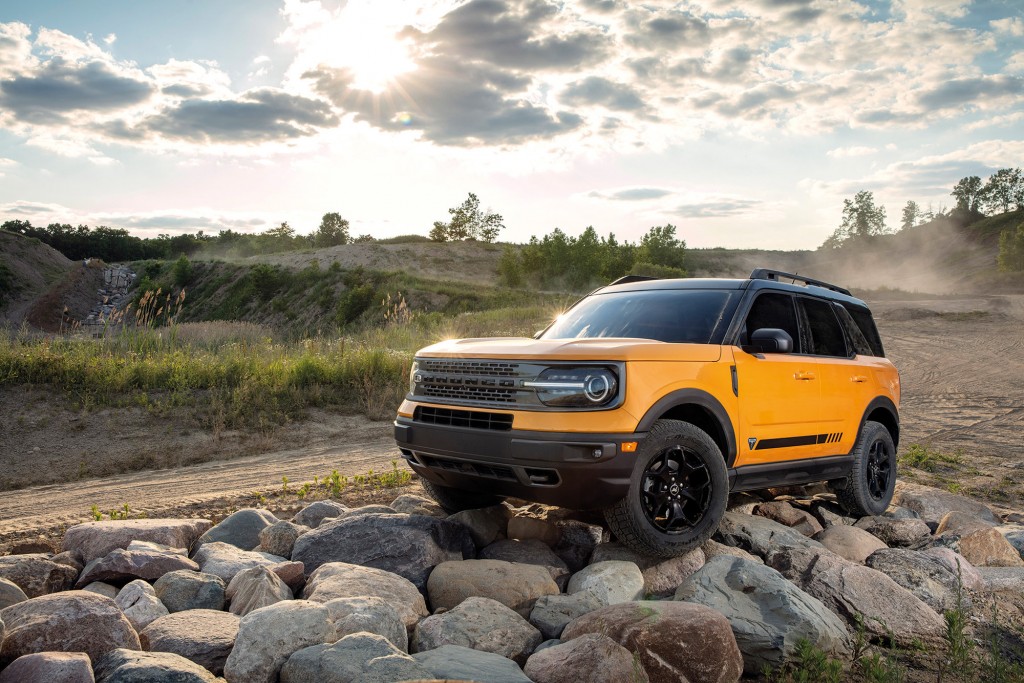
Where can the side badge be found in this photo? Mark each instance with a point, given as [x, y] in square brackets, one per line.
[751, 442]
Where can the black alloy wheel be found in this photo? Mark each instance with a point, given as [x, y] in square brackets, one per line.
[869, 487]
[676, 490]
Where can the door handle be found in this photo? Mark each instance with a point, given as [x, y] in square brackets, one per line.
[803, 376]
[858, 379]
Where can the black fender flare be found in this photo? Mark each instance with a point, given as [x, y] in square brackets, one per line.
[886, 404]
[700, 398]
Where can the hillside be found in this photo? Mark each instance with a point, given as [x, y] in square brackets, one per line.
[29, 270]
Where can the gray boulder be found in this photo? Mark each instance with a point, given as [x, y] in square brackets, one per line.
[899, 533]
[294, 625]
[758, 535]
[119, 565]
[485, 525]
[203, 636]
[315, 513]
[340, 580]
[96, 539]
[528, 552]
[611, 582]
[958, 565]
[925, 576]
[714, 549]
[768, 614]
[552, 613]
[800, 565]
[482, 624]
[240, 529]
[411, 504]
[1014, 534]
[933, 504]
[101, 588]
[514, 585]
[787, 515]
[370, 615]
[128, 666]
[661, 576]
[576, 542]
[279, 538]
[416, 544]
[591, 658]
[253, 588]
[458, 663]
[849, 542]
[36, 575]
[140, 605]
[997, 579]
[830, 513]
[10, 593]
[363, 657]
[225, 560]
[49, 667]
[184, 590]
[367, 510]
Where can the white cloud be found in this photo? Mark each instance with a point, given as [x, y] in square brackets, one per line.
[110, 38]
[1011, 26]
[852, 151]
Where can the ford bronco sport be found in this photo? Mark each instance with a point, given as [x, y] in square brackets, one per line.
[652, 399]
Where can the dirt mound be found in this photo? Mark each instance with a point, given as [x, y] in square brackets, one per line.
[33, 267]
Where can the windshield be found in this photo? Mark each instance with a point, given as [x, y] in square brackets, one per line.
[668, 315]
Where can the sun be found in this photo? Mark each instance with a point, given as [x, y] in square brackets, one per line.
[365, 41]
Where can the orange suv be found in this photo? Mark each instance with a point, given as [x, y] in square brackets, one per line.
[652, 399]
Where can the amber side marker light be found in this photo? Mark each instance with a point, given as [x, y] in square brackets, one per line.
[629, 446]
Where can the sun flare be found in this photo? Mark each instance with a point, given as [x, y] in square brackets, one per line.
[366, 42]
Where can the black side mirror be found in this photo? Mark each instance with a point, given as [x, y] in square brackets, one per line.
[771, 340]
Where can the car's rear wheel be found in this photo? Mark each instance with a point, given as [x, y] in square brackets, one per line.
[457, 500]
[677, 492]
[869, 488]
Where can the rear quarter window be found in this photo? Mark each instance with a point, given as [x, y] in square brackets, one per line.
[866, 325]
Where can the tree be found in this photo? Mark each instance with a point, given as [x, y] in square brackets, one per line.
[1011, 249]
[660, 247]
[911, 215]
[968, 193]
[1004, 191]
[468, 222]
[333, 231]
[182, 271]
[861, 219]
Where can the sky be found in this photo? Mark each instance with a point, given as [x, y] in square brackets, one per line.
[744, 124]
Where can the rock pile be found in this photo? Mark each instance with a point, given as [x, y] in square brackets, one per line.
[502, 594]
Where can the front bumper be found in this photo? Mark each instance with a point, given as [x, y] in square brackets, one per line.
[572, 470]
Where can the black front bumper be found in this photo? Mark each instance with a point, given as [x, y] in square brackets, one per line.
[571, 470]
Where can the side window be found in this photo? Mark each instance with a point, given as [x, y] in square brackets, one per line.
[866, 324]
[853, 334]
[826, 334]
[772, 309]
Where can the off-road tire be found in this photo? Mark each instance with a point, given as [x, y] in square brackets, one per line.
[862, 493]
[457, 500]
[632, 521]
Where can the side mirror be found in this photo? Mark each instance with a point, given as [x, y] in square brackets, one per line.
[771, 340]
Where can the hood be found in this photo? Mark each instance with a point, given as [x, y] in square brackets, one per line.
[610, 348]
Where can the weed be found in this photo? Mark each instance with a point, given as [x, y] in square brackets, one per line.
[95, 512]
[284, 485]
[303, 491]
[809, 665]
[926, 458]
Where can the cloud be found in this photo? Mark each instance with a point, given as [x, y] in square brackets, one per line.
[963, 92]
[595, 90]
[852, 151]
[716, 208]
[631, 194]
[1011, 26]
[145, 223]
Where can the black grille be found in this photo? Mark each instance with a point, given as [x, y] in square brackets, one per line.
[477, 468]
[486, 394]
[470, 367]
[463, 418]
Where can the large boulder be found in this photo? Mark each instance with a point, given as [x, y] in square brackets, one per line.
[800, 565]
[714, 549]
[899, 533]
[253, 588]
[983, 547]
[72, 621]
[933, 504]
[315, 513]
[925, 576]
[268, 636]
[590, 658]
[768, 614]
[363, 657]
[552, 613]
[675, 641]
[340, 580]
[661, 576]
[416, 544]
[576, 542]
[485, 525]
[958, 522]
[240, 529]
[128, 666]
[10, 593]
[203, 636]
[140, 604]
[459, 663]
[514, 585]
[528, 552]
[849, 542]
[225, 560]
[1014, 534]
[91, 540]
[795, 518]
[101, 588]
[184, 590]
[958, 565]
[369, 615]
[411, 504]
[149, 563]
[758, 535]
[482, 624]
[47, 667]
[998, 579]
[279, 538]
[611, 581]
[36, 575]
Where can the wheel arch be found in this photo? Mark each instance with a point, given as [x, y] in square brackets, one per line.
[700, 409]
[883, 411]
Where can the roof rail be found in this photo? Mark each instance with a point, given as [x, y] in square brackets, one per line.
[626, 279]
[766, 274]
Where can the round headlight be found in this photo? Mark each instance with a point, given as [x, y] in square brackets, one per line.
[575, 387]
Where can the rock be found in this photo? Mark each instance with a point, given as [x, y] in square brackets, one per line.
[997, 579]
[340, 580]
[240, 529]
[524, 527]
[121, 565]
[661, 576]
[295, 624]
[786, 514]
[72, 621]
[768, 614]
[482, 624]
[253, 588]
[36, 575]
[530, 551]
[416, 544]
[576, 542]
[96, 539]
[485, 525]
[363, 657]
[372, 615]
[888, 609]
[830, 513]
[101, 588]
[714, 549]
[368, 510]
[983, 547]
[926, 576]
[551, 642]
[551, 613]
[32, 547]
[849, 542]
[10, 593]
[897, 512]
[958, 522]
[959, 566]
[127, 666]
[800, 565]
[315, 513]
[225, 560]
[184, 590]
[758, 535]
[611, 582]
[1014, 535]
[140, 605]
[1014, 518]
[457, 663]
[514, 585]
[69, 559]
[279, 538]
[932, 504]
[49, 667]
[675, 641]
[900, 533]
[203, 636]
[591, 658]
[411, 504]
[292, 573]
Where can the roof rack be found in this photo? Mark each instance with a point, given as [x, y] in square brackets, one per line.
[626, 279]
[766, 274]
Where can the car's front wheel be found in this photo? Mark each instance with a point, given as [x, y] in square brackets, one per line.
[869, 488]
[457, 500]
[677, 492]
